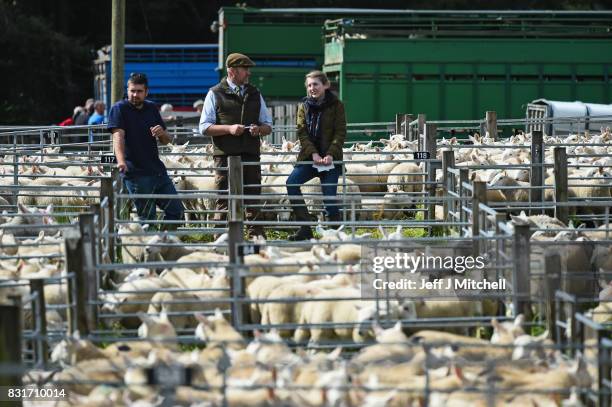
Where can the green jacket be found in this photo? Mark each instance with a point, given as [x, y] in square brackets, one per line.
[333, 124]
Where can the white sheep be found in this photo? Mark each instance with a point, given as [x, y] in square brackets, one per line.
[281, 312]
[214, 295]
[72, 350]
[216, 330]
[535, 348]
[261, 287]
[42, 246]
[406, 177]
[192, 183]
[368, 178]
[132, 247]
[202, 257]
[29, 221]
[313, 196]
[397, 205]
[132, 297]
[396, 235]
[345, 307]
[597, 186]
[165, 247]
[392, 346]
[540, 222]
[507, 332]
[157, 329]
[179, 305]
[185, 278]
[81, 378]
[8, 244]
[137, 274]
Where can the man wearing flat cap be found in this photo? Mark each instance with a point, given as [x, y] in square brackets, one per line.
[235, 116]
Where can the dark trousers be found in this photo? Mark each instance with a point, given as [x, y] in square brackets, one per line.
[154, 184]
[303, 173]
[251, 178]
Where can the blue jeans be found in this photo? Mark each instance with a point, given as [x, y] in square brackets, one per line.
[154, 184]
[303, 173]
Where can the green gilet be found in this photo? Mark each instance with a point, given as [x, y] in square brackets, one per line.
[233, 109]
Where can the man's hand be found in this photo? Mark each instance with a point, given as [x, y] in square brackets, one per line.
[317, 159]
[328, 160]
[236, 129]
[157, 131]
[122, 167]
[255, 130]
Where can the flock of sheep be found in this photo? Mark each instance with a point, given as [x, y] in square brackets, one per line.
[312, 293]
[396, 370]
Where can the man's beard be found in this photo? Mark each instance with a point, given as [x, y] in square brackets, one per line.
[137, 103]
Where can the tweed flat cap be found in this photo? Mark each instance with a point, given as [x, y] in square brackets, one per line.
[236, 60]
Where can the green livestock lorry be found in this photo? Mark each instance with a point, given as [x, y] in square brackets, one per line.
[450, 65]
[457, 65]
[284, 43]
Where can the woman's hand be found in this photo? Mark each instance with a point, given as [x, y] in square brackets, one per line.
[328, 160]
[317, 159]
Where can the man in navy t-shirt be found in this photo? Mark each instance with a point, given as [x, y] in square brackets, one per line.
[136, 126]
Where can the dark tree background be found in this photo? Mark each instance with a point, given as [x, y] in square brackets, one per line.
[48, 45]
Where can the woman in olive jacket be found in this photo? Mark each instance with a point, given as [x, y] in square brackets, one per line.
[321, 129]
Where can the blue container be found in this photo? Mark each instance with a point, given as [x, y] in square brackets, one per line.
[178, 74]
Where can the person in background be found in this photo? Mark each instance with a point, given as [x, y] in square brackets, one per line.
[83, 117]
[321, 129]
[235, 116]
[137, 126]
[198, 105]
[70, 120]
[66, 122]
[98, 116]
[166, 110]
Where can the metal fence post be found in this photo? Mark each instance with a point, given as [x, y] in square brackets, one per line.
[107, 191]
[76, 315]
[537, 170]
[123, 204]
[429, 145]
[433, 166]
[235, 187]
[561, 195]
[15, 171]
[407, 118]
[491, 120]
[421, 120]
[552, 271]
[398, 123]
[10, 346]
[463, 178]
[235, 238]
[479, 196]
[521, 271]
[97, 223]
[39, 317]
[448, 161]
[88, 238]
[427, 142]
[500, 246]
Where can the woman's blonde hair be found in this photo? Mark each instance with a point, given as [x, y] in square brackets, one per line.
[320, 75]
